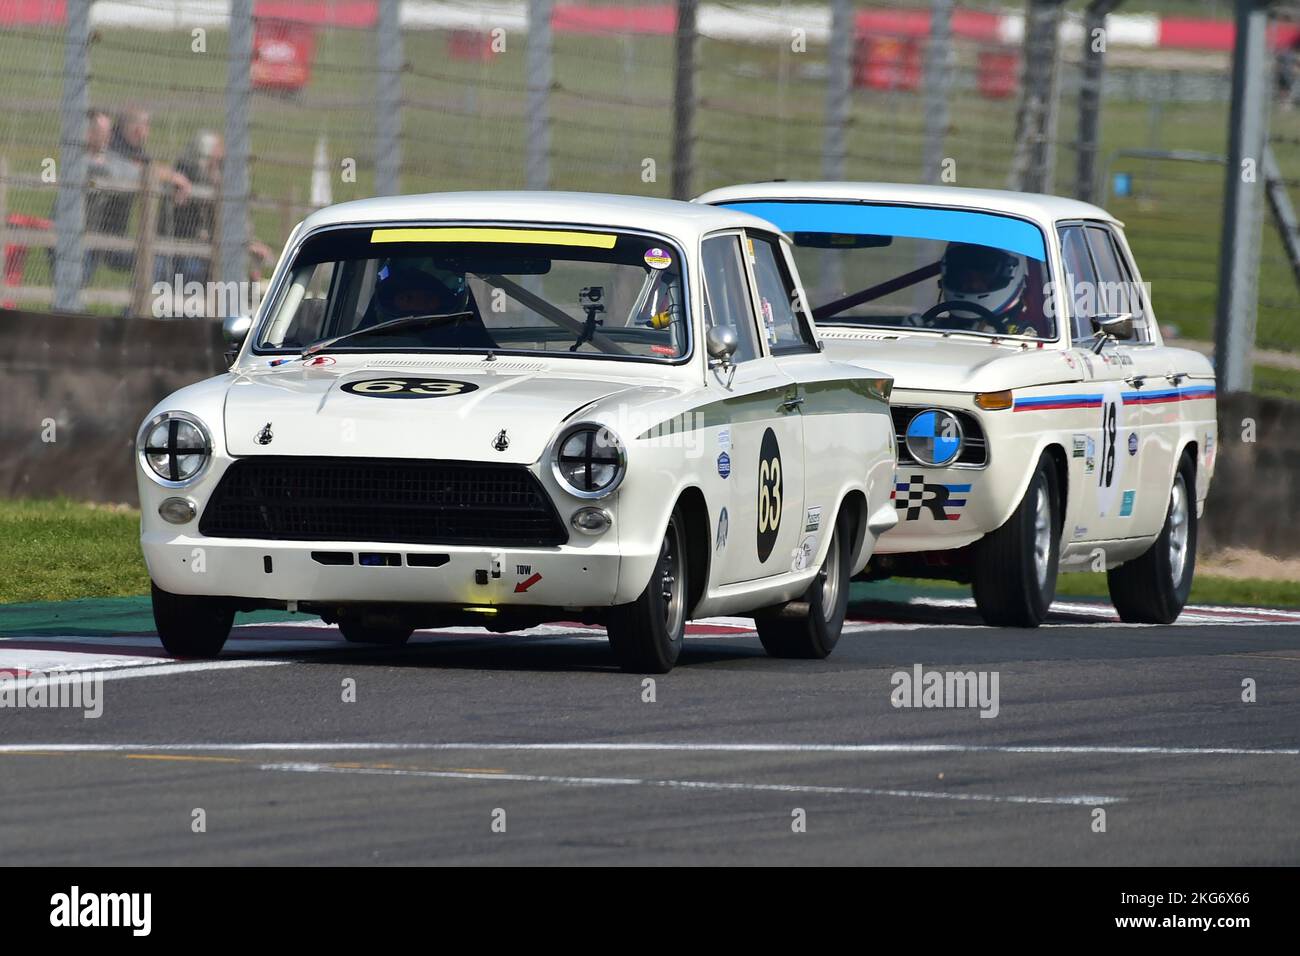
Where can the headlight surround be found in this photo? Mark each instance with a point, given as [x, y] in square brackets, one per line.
[934, 437]
[174, 449]
[589, 460]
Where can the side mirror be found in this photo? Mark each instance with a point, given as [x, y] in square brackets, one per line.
[1112, 327]
[722, 342]
[234, 329]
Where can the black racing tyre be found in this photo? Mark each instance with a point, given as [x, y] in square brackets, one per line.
[191, 625]
[1014, 572]
[810, 627]
[1153, 588]
[360, 631]
[647, 634]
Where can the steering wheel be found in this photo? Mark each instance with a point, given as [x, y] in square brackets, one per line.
[971, 308]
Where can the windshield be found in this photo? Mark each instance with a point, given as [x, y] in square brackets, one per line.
[481, 289]
[912, 267]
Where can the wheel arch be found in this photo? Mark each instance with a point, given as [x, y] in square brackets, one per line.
[697, 527]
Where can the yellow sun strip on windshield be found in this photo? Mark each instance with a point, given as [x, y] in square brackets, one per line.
[539, 237]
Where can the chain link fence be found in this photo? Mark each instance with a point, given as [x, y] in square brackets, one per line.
[350, 98]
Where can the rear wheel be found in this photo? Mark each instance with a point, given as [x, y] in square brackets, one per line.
[191, 625]
[1014, 574]
[1153, 589]
[810, 627]
[647, 634]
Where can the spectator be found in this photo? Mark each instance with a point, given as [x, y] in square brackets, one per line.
[122, 164]
[201, 164]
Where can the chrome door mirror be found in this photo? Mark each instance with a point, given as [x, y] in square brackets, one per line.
[234, 329]
[722, 342]
[1111, 328]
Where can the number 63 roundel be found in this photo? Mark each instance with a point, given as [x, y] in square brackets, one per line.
[769, 494]
[408, 388]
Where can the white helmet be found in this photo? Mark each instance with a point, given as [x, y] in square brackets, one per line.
[985, 276]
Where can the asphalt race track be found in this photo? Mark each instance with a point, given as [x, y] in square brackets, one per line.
[460, 735]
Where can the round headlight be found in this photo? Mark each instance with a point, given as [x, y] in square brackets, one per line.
[174, 448]
[589, 460]
[934, 437]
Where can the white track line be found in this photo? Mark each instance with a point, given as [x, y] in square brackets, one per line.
[1069, 800]
[149, 670]
[666, 747]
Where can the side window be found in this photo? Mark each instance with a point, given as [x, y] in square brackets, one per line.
[1080, 281]
[726, 288]
[1120, 294]
[786, 329]
[1112, 283]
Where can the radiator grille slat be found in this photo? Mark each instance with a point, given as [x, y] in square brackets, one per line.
[366, 499]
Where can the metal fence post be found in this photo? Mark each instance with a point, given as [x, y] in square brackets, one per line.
[1036, 118]
[537, 172]
[684, 99]
[69, 204]
[839, 89]
[937, 83]
[388, 125]
[1243, 188]
[1090, 90]
[233, 213]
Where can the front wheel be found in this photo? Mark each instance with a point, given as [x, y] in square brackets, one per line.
[647, 634]
[1153, 589]
[810, 627]
[1014, 573]
[191, 625]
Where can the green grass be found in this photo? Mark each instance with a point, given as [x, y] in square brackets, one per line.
[60, 550]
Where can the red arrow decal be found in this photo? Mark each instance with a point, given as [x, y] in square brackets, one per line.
[526, 584]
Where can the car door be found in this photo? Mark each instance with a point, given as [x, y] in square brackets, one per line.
[784, 323]
[759, 453]
[1148, 444]
[1103, 482]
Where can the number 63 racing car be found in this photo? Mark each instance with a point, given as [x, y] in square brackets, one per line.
[1041, 421]
[502, 409]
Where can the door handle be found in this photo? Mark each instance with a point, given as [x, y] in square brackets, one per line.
[1176, 378]
[1137, 381]
[790, 404]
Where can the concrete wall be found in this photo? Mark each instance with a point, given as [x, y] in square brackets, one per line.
[1255, 499]
[98, 377]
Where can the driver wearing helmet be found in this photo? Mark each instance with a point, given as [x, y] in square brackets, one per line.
[409, 287]
[992, 282]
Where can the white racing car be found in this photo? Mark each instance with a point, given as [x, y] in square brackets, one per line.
[502, 409]
[1040, 419]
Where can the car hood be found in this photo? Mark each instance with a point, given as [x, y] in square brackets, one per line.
[297, 410]
[930, 362]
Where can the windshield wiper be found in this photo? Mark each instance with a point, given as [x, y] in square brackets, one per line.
[403, 322]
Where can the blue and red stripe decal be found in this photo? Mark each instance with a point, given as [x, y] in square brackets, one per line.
[1053, 403]
[1056, 402]
[1191, 394]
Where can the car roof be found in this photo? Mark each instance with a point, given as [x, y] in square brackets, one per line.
[681, 220]
[1037, 207]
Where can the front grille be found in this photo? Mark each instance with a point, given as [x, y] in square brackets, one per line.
[974, 450]
[367, 499]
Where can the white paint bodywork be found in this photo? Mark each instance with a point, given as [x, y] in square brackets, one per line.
[934, 371]
[846, 431]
